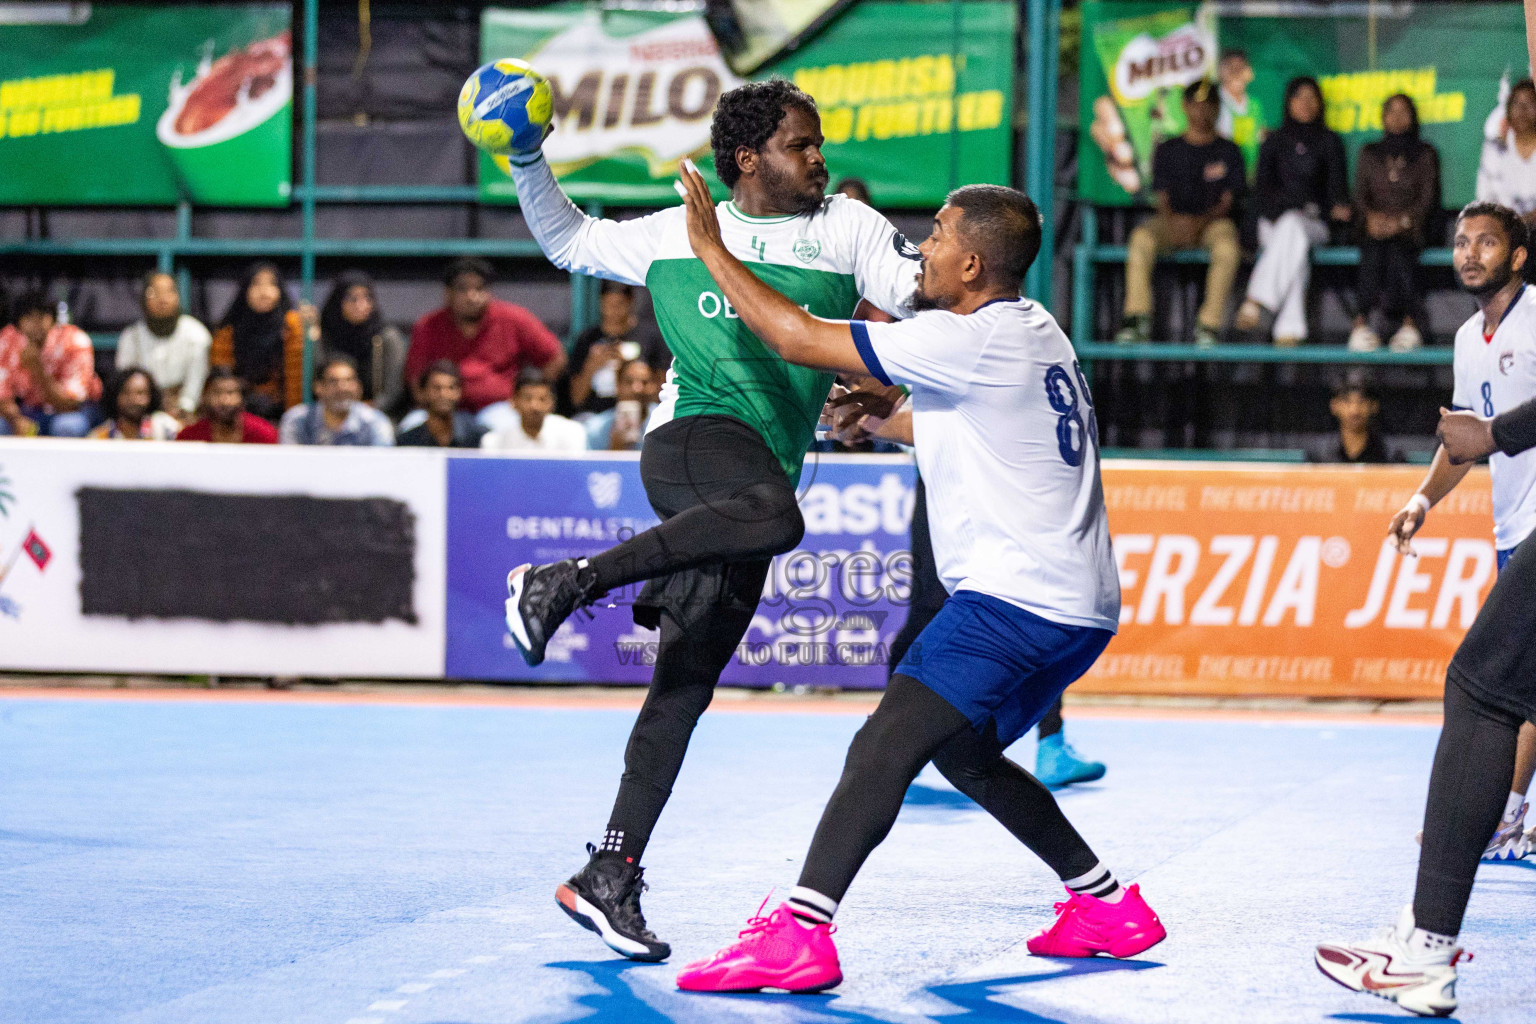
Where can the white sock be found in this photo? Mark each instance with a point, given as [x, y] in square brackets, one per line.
[1512, 806]
[810, 907]
[1098, 882]
[1423, 943]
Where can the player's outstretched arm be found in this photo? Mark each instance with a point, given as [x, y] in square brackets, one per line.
[790, 331]
[619, 250]
[1530, 30]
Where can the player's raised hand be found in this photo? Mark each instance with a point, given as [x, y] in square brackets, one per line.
[703, 224]
[1466, 436]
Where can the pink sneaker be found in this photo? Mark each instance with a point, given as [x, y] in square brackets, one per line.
[1085, 926]
[776, 951]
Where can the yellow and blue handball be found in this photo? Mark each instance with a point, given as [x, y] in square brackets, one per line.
[505, 108]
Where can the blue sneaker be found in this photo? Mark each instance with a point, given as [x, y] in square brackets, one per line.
[1057, 764]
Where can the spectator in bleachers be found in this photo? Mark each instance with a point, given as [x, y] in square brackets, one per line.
[131, 402]
[622, 428]
[48, 376]
[352, 325]
[169, 343]
[490, 341]
[1241, 118]
[853, 188]
[1301, 185]
[537, 427]
[600, 350]
[262, 339]
[1397, 190]
[446, 425]
[1355, 406]
[1198, 180]
[225, 420]
[338, 416]
[1506, 173]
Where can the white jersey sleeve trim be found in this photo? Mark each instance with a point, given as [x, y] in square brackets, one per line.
[618, 250]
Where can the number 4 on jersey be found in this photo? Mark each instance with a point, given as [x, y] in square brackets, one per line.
[1062, 393]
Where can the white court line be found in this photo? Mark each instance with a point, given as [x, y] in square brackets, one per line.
[448, 972]
[482, 959]
[365, 1020]
[414, 987]
[387, 1004]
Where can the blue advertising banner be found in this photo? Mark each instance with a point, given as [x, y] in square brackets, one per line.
[829, 610]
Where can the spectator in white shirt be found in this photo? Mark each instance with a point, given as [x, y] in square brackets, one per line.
[537, 427]
[340, 417]
[168, 343]
[1507, 172]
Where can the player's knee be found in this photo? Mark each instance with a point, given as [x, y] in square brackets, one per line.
[774, 512]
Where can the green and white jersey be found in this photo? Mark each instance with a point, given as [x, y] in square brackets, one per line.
[823, 261]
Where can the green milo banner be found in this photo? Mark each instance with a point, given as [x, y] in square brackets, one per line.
[902, 106]
[1456, 61]
[146, 104]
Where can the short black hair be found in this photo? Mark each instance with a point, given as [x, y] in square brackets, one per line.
[616, 288]
[118, 381]
[748, 115]
[446, 367]
[334, 359]
[532, 377]
[1004, 226]
[468, 265]
[1355, 382]
[856, 185]
[218, 373]
[34, 301]
[1514, 228]
[1524, 85]
[1201, 90]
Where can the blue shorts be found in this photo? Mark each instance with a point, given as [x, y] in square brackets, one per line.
[996, 662]
[1506, 555]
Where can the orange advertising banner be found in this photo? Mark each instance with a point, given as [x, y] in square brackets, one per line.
[1262, 580]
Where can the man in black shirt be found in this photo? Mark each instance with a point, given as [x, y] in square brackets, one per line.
[591, 385]
[1359, 440]
[1198, 179]
[446, 425]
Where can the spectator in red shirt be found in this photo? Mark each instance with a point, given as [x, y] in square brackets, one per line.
[225, 420]
[490, 341]
[47, 373]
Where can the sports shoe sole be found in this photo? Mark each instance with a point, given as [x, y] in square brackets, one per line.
[593, 920]
[515, 624]
[1318, 963]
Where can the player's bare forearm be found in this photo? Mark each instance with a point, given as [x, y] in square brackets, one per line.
[1443, 476]
[796, 335]
[1530, 30]
[898, 428]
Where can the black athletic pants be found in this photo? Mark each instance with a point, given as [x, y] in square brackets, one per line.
[912, 726]
[1490, 689]
[1387, 269]
[928, 596]
[726, 508]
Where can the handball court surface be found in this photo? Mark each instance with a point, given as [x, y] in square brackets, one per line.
[339, 858]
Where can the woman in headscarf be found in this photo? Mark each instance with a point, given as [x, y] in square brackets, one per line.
[1302, 184]
[1397, 191]
[262, 338]
[352, 325]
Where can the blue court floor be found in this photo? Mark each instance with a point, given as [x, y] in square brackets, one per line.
[276, 862]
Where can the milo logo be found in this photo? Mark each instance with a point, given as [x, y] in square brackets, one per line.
[1178, 58]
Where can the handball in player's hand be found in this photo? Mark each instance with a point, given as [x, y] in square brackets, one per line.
[506, 108]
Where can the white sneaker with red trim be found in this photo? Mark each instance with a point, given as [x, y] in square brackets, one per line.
[1384, 966]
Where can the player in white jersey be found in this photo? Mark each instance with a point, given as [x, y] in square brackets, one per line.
[1005, 436]
[723, 452]
[1490, 692]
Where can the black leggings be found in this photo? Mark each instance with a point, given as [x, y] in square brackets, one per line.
[1467, 789]
[726, 508]
[912, 726]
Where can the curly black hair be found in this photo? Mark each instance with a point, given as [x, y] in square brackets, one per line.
[1514, 228]
[114, 390]
[748, 116]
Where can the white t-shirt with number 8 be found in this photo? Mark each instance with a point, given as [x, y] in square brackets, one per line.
[1007, 443]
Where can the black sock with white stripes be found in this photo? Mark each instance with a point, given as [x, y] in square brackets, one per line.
[811, 907]
[1098, 882]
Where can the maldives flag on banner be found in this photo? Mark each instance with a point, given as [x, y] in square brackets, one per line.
[36, 550]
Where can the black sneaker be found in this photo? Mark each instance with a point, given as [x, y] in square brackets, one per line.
[604, 897]
[539, 598]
